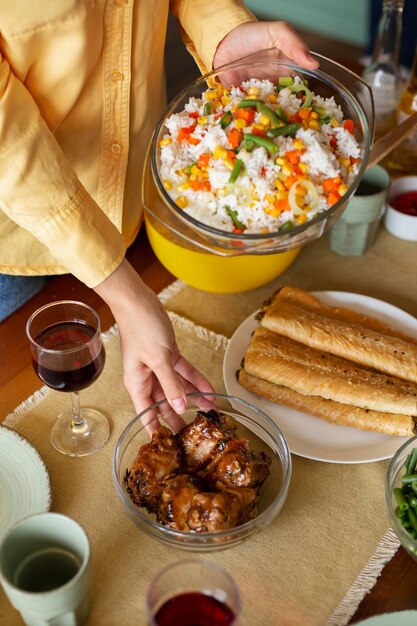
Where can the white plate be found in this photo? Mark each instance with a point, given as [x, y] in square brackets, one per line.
[307, 435]
[25, 487]
[400, 618]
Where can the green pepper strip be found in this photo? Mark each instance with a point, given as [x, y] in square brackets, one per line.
[233, 216]
[275, 121]
[401, 501]
[236, 170]
[208, 107]
[243, 104]
[226, 119]
[250, 141]
[308, 95]
[287, 129]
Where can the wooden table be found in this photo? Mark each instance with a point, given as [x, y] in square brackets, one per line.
[395, 589]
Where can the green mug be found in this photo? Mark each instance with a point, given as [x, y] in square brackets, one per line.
[356, 230]
[45, 570]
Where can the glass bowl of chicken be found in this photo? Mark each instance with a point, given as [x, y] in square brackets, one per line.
[206, 480]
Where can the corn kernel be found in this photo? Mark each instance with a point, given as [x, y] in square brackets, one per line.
[301, 219]
[272, 98]
[314, 124]
[202, 120]
[220, 192]
[344, 162]
[334, 122]
[225, 100]
[165, 142]
[205, 174]
[181, 202]
[270, 198]
[342, 189]
[255, 197]
[196, 170]
[264, 120]
[192, 177]
[273, 211]
[300, 191]
[219, 153]
[167, 184]
[287, 169]
[303, 167]
[282, 195]
[229, 163]
[253, 91]
[304, 124]
[180, 172]
[298, 144]
[314, 115]
[279, 184]
[210, 95]
[184, 186]
[258, 126]
[281, 160]
[240, 123]
[282, 176]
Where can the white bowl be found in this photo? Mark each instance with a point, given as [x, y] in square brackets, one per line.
[397, 223]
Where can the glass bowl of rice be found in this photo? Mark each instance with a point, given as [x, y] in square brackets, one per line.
[257, 158]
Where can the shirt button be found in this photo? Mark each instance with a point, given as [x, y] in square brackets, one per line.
[117, 76]
[116, 148]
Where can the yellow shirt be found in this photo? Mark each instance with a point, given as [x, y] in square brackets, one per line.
[81, 89]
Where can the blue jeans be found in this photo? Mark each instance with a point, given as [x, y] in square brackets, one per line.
[16, 290]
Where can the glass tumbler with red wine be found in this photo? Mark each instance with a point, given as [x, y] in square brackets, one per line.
[68, 355]
[193, 593]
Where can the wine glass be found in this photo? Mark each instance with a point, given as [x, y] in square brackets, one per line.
[68, 355]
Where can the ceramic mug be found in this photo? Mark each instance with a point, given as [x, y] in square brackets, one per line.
[45, 570]
[355, 231]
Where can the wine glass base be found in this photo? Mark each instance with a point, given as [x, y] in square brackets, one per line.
[83, 439]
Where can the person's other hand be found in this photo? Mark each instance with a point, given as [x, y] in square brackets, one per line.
[153, 367]
[251, 37]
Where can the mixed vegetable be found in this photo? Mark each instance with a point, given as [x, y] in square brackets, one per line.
[406, 495]
[252, 123]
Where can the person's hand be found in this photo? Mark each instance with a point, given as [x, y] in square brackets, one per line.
[153, 367]
[251, 37]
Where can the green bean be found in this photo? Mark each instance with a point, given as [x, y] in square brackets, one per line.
[409, 478]
[412, 518]
[281, 115]
[208, 107]
[412, 461]
[285, 81]
[249, 103]
[286, 226]
[284, 131]
[233, 216]
[275, 121]
[226, 119]
[237, 168]
[401, 501]
[250, 141]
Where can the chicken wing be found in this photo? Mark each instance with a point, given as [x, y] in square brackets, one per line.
[201, 438]
[156, 459]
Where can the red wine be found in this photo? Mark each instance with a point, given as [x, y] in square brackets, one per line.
[194, 609]
[47, 569]
[73, 364]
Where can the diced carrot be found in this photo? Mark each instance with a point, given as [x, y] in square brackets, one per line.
[289, 181]
[282, 205]
[235, 137]
[304, 114]
[334, 196]
[331, 183]
[257, 131]
[349, 125]
[295, 118]
[245, 114]
[185, 132]
[231, 154]
[333, 142]
[194, 140]
[203, 159]
[293, 156]
[201, 185]
[194, 114]
[238, 230]
[353, 160]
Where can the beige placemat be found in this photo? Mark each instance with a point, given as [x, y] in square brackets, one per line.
[295, 572]
[316, 561]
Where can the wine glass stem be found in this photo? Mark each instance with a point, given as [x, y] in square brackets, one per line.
[78, 421]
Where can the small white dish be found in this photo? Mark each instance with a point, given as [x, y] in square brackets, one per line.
[25, 486]
[400, 224]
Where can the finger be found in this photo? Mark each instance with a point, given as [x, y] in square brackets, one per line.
[295, 47]
[167, 412]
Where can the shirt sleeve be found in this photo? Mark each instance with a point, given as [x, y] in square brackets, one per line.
[205, 23]
[40, 191]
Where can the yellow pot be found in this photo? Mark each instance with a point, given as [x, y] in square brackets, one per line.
[210, 272]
